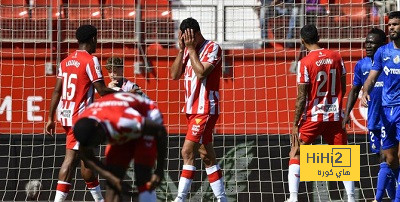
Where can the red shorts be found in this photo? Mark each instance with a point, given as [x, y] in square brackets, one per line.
[200, 127]
[71, 142]
[331, 132]
[142, 150]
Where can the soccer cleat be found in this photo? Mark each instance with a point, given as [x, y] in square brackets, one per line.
[290, 200]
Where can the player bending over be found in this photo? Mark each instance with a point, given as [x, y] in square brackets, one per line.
[321, 80]
[122, 119]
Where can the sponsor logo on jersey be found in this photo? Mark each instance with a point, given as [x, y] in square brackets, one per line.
[65, 113]
[195, 129]
[326, 61]
[72, 63]
[379, 84]
[396, 60]
[384, 59]
[320, 54]
[197, 121]
[365, 73]
[391, 70]
[326, 108]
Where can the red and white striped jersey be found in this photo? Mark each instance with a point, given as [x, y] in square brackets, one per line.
[322, 69]
[202, 96]
[78, 71]
[123, 115]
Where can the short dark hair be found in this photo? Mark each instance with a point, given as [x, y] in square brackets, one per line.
[394, 14]
[85, 131]
[381, 34]
[85, 33]
[189, 23]
[114, 62]
[309, 34]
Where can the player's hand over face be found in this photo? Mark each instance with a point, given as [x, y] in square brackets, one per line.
[154, 182]
[181, 41]
[188, 37]
[50, 128]
[364, 99]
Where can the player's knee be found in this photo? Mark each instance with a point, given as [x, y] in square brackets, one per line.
[294, 151]
[208, 160]
[187, 153]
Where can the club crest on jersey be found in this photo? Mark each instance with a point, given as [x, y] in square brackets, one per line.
[396, 60]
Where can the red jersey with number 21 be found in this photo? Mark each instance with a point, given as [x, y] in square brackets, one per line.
[322, 69]
[78, 71]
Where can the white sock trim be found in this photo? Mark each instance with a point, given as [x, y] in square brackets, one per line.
[212, 169]
[189, 167]
[62, 182]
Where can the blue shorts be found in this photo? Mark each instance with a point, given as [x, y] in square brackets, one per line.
[375, 141]
[391, 127]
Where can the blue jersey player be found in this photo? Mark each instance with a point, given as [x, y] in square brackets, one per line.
[375, 39]
[387, 63]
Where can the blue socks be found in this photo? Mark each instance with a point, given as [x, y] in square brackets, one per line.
[386, 180]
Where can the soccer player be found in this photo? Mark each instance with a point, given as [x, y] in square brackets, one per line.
[122, 118]
[375, 39]
[200, 62]
[387, 59]
[115, 69]
[321, 79]
[78, 76]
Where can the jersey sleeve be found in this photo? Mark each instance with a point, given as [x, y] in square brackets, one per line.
[213, 54]
[377, 63]
[302, 73]
[93, 70]
[357, 75]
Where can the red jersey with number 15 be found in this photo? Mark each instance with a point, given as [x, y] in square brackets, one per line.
[322, 69]
[202, 96]
[78, 71]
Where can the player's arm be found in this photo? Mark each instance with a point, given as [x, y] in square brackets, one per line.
[201, 69]
[153, 128]
[55, 99]
[176, 70]
[90, 160]
[300, 102]
[368, 85]
[300, 106]
[102, 89]
[351, 100]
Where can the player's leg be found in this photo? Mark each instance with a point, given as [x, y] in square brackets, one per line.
[189, 151]
[65, 174]
[207, 154]
[213, 170]
[387, 172]
[144, 160]
[92, 182]
[68, 166]
[143, 175]
[308, 131]
[335, 135]
[117, 159]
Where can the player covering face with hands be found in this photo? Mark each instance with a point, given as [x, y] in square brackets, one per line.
[120, 120]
